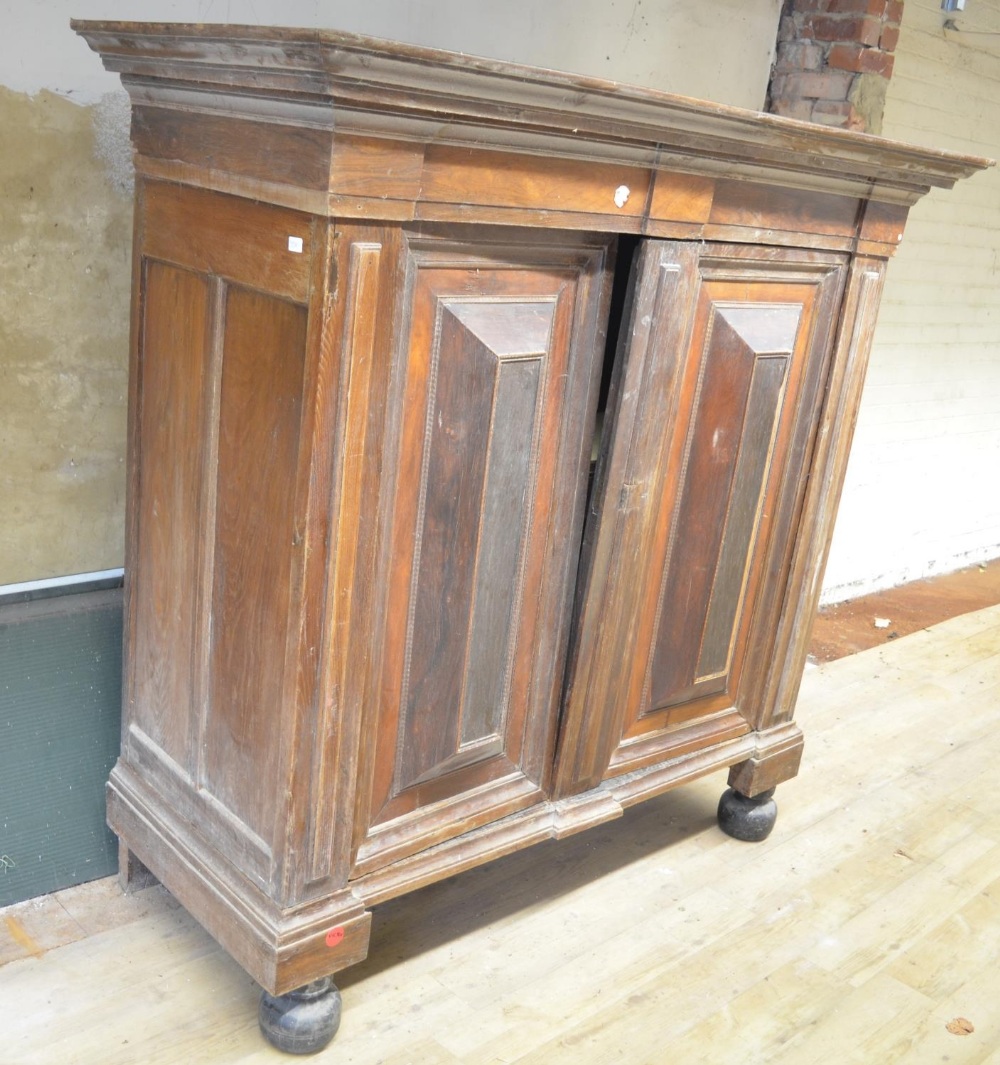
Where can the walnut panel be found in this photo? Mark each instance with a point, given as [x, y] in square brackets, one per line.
[174, 350]
[498, 369]
[259, 416]
[742, 203]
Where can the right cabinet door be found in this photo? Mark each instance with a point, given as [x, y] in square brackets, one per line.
[711, 422]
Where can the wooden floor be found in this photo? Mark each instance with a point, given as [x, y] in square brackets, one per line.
[848, 627]
[866, 925]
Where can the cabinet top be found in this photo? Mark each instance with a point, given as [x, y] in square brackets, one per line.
[348, 85]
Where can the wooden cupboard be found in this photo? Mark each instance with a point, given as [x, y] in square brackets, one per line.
[487, 429]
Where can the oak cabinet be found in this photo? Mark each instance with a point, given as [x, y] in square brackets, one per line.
[496, 359]
[713, 416]
[386, 620]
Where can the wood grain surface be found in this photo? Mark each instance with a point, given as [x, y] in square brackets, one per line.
[371, 642]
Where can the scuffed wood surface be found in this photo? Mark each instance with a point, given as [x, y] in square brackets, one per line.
[323, 78]
[875, 920]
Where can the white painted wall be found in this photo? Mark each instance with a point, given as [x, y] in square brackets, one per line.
[923, 486]
[715, 49]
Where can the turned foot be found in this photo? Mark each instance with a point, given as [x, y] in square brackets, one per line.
[747, 819]
[302, 1021]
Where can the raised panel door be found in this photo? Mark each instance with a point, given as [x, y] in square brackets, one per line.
[711, 422]
[498, 361]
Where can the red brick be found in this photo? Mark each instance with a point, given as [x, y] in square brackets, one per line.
[894, 11]
[830, 85]
[810, 7]
[798, 55]
[875, 8]
[846, 56]
[860, 59]
[858, 30]
[889, 39]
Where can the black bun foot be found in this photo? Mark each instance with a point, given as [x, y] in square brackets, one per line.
[302, 1021]
[748, 819]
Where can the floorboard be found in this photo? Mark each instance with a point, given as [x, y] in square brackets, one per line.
[865, 925]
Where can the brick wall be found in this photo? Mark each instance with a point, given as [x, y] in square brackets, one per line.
[834, 61]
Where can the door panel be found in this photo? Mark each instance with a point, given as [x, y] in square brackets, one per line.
[497, 371]
[716, 395]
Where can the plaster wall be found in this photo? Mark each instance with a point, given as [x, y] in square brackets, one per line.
[922, 494]
[65, 210]
[64, 288]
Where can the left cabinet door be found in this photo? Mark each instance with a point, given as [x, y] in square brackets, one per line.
[487, 444]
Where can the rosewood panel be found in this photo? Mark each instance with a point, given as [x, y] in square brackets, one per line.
[696, 503]
[496, 376]
[726, 461]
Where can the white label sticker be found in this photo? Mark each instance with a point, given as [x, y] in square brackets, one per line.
[622, 194]
[295, 244]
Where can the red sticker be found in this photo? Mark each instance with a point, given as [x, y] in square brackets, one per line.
[334, 936]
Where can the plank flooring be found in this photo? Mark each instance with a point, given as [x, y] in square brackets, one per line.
[848, 627]
[866, 925]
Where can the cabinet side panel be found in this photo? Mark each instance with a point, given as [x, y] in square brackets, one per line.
[260, 409]
[173, 356]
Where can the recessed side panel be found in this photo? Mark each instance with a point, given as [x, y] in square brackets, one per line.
[174, 368]
[496, 373]
[701, 484]
[258, 430]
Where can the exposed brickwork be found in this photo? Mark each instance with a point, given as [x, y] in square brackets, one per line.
[833, 61]
[858, 58]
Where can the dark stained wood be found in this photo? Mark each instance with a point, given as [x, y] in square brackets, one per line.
[733, 428]
[688, 531]
[494, 353]
[371, 640]
[760, 418]
[770, 207]
[681, 198]
[774, 695]
[503, 179]
[262, 150]
[341, 434]
[364, 87]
